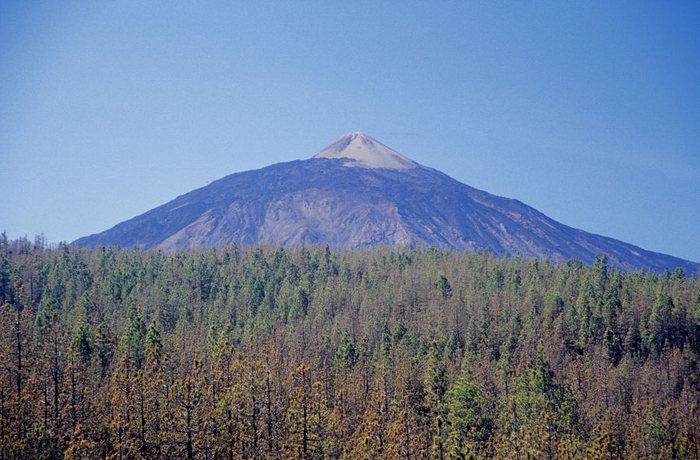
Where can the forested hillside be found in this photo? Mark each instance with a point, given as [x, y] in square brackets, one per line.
[309, 353]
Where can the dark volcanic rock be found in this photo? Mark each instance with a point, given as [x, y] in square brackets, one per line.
[359, 193]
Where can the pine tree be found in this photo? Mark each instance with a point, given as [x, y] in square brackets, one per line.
[468, 428]
[546, 415]
[133, 340]
[309, 418]
[435, 382]
[369, 439]
[152, 396]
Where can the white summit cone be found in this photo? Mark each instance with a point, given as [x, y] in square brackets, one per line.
[366, 152]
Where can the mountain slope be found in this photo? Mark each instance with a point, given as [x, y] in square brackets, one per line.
[359, 193]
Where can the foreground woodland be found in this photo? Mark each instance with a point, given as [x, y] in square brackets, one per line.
[310, 353]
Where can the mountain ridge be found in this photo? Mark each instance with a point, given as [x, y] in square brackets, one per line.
[353, 200]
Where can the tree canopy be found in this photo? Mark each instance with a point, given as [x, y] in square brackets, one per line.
[313, 353]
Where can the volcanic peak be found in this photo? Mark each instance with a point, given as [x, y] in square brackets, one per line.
[366, 152]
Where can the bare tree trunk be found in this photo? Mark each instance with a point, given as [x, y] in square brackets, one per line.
[268, 388]
[188, 415]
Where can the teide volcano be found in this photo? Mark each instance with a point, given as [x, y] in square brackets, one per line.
[359, 193]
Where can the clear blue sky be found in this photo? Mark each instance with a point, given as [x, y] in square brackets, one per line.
[588, 111]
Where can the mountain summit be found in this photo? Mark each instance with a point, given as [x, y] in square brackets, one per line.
[357, 193]
[365, 152]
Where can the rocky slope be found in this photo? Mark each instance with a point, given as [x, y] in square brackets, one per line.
[359, 193]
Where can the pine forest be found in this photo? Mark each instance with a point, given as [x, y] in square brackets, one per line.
[313, 353]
